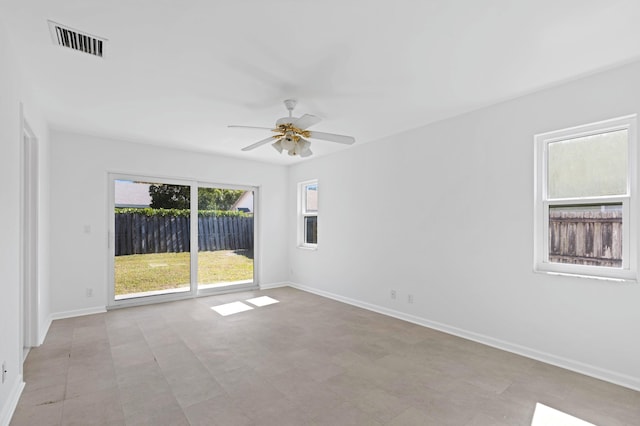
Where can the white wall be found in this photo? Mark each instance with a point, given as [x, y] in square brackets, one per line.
[463, 247]
[13, 93]
[79, 168]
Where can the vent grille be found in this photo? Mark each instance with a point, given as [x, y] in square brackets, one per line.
[73, 39]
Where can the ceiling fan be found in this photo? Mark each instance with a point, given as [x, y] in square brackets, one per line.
[291, 133]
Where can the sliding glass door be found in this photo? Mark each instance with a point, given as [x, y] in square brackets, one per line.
[173, 239]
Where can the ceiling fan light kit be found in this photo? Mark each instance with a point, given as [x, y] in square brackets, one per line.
[291, 133]
[278, 146]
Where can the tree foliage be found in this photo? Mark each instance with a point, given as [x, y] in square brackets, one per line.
[217, 199]
[179, 197]
[170, 196]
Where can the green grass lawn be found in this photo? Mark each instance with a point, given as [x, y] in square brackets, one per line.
[161, 271]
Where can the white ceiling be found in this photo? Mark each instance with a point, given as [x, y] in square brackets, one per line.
[177, 72]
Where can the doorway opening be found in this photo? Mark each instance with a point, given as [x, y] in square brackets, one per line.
[29, 238]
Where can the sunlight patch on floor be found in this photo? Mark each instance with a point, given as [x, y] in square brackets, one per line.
[237, 307]
[262, 301]
[231, 308]
[547, 416]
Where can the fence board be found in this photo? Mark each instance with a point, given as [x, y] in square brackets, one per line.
[211, 231]
[236, 232]
[216, 235]
[223, 234]
[174, 235]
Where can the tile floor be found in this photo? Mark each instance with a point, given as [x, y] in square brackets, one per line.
[304, 361]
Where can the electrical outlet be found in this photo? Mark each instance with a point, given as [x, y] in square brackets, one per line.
[410, 298]
[393, 294]
[89, 292]
[4, 371]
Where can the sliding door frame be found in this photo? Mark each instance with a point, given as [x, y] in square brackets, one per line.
[112, 303]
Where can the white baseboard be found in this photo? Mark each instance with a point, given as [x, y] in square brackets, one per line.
[9, 407]
[275, 285]
[78, 312]
[569, 364]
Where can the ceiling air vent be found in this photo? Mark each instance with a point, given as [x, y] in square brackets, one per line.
[76, 40]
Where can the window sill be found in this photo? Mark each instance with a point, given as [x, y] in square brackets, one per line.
[310, 248]
[627, 280]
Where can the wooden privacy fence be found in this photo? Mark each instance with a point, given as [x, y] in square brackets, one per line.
[141, 234]
[586, 238]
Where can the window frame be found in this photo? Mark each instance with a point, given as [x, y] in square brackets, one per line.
[303, 214]
[542, 202]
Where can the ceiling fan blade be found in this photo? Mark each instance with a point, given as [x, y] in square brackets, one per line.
[305, 121]
[348, 140]
[260, 143]
[250, 127]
